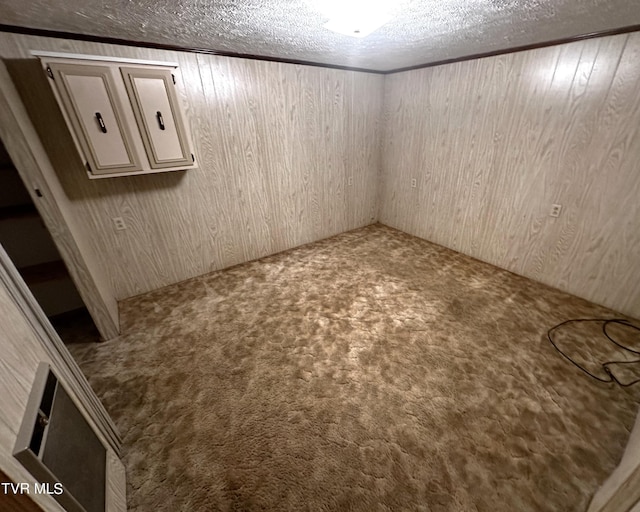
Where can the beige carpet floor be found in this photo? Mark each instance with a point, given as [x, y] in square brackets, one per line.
[372, 371]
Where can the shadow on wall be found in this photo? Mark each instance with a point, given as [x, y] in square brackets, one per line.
[40, 102]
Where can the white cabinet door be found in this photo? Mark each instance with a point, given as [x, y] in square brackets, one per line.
[155, 105]
[89, 98]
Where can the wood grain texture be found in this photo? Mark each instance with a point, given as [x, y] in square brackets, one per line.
[56, 351]
[493, 143]
[21, 351]
[276, 145]
[21, 354]
[116, 493]
[34, 167]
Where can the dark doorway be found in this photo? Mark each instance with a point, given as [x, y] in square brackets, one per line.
[28, 243]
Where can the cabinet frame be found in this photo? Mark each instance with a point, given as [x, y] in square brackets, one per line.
[60, 71]
[179, 156]
[129, 75]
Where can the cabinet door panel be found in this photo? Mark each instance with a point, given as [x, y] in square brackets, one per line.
[88, 96]
[155, 105]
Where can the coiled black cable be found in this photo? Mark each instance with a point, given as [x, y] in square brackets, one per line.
[606, 364]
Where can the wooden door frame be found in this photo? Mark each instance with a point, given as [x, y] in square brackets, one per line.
[30, 159]
[54, 347]
[28, 156]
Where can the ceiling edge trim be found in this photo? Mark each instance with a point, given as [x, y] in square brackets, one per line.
[534, 46]
[16, 29]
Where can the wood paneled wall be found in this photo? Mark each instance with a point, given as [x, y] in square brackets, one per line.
[493, 143]
[20, 355]
[21, 351]
[277, 146]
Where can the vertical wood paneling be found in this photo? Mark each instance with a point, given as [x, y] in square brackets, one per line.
[20, 356]
[21, 352]
[116, 494]
[493, 143]
[276, 144]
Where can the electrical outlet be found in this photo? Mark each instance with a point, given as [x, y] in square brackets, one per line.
[555, 210]
[350, 181]
[414, 183]
[119, 224]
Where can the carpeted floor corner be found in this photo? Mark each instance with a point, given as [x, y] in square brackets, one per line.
[372, 371]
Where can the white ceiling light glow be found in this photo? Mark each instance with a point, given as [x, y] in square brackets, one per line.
[358, 24]
[357, 18]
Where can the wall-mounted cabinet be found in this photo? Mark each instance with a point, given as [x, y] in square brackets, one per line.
[124, 115]
[155, 105]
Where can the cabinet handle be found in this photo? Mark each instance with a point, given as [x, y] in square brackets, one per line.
[160, 120]
[103, 127]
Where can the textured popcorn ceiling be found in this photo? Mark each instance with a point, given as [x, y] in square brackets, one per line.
[422, 31]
